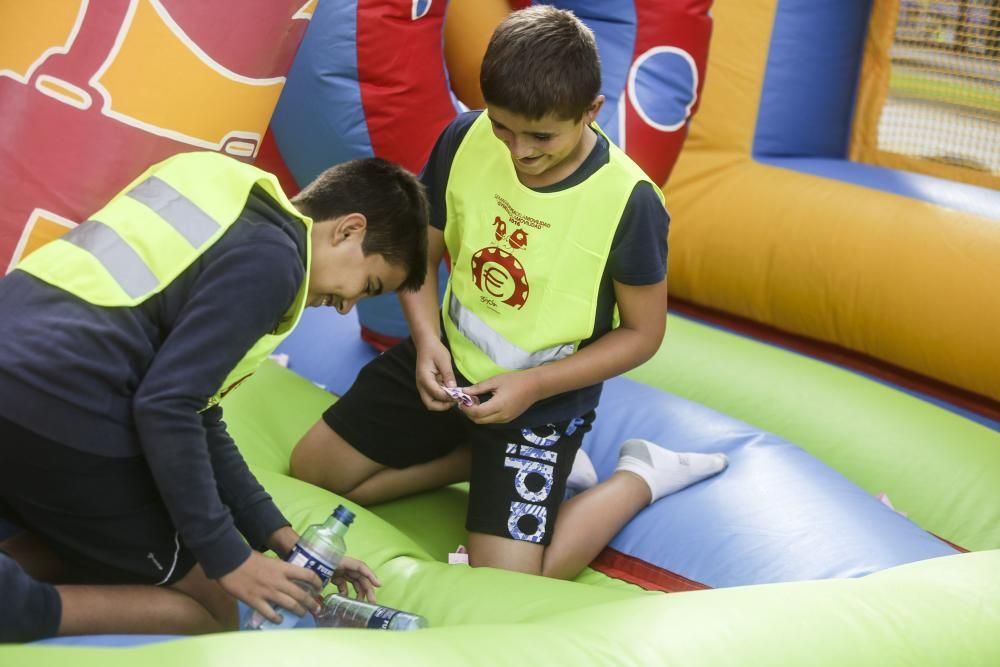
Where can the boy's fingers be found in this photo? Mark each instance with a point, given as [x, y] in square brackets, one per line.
[267, 611]
[433, 395]
[293, 605]
[370, 575]
[484, 413]
[489, 419]
[361, 569]
[484, 387]
[447, 376]
[433, 403]
[304, 575]
[303, 598]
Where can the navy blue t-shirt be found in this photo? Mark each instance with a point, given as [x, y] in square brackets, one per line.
[638, 252]
[130, 382]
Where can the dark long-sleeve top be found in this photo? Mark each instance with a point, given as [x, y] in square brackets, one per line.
[127, 382]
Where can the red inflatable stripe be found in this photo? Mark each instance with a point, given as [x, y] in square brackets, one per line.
[637, 571]
[404, 85]
[689, 29]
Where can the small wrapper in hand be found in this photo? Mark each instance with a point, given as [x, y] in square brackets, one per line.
[460, 396]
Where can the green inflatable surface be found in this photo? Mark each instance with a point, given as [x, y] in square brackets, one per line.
[941, 468]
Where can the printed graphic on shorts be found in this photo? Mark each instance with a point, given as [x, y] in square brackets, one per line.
[547, 438]
[533, 481]
[526, 522]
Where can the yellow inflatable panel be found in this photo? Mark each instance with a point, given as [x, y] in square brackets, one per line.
[891, 277]
[467, 29]
[25, 40]
[143, 91]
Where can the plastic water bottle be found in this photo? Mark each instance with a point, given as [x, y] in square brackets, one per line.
[344, 612]
[320, 549]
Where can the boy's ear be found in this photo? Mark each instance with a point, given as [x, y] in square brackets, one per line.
[348, 226]
[595, 107]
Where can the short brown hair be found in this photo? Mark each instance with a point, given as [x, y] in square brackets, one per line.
[542, 60]
[392, 200]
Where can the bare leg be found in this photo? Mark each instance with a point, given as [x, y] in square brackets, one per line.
[586, 524]
[505, 553]
[194, 605]
[390, 483]
[325, 459]
[148, 609]
[589, 521]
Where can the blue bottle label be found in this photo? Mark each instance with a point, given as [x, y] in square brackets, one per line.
[381, 618]
[304, 558]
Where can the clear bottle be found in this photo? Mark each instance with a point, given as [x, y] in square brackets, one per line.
[343, 612]
[320, 549]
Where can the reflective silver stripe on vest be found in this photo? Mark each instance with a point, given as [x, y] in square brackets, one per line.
[115, 255]
[177, 210]
[500, 350]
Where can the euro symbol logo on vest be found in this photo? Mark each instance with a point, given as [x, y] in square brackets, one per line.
[501, 275]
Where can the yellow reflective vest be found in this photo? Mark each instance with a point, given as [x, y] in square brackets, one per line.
[526, 265]
[156, 228]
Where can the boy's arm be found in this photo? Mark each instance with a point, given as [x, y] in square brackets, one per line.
[643, 311]
[231, 304]
[253, 510]
[422, 314]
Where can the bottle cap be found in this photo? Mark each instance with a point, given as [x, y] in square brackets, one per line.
[344, 515]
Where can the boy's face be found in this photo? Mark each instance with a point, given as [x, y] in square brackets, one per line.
[546, 150]
[341, 274]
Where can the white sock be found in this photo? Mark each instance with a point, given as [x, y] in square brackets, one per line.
[666, 471]
[582, 476]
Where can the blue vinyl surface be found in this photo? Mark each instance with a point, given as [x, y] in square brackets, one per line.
[317, 81]
[807, 102]
[942, 192]
[109, 641]
[776, 514]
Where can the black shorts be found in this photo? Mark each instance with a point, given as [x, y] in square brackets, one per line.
[102, 516]
[518, 474]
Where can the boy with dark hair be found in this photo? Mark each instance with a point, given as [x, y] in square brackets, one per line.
[117, 342]
[549, 227]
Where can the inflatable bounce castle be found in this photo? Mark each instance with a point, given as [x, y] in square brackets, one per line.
[834, 322]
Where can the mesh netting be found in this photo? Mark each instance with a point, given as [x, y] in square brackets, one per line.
[943, 101]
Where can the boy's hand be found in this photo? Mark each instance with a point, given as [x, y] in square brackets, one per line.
[261, 582]
[434, 370]
[513, 393]
[359, 575]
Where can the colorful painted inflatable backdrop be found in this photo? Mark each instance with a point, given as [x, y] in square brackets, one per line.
[93, 92]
